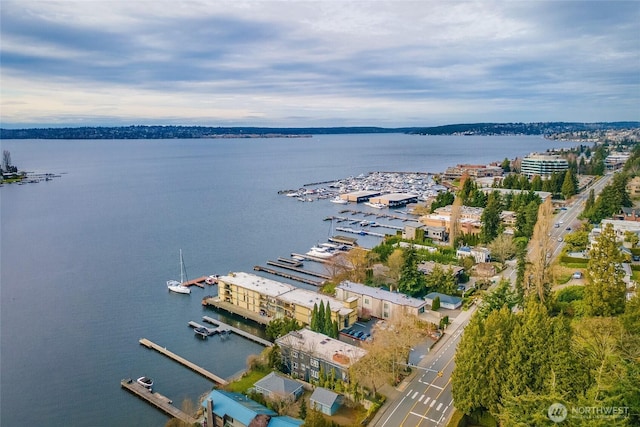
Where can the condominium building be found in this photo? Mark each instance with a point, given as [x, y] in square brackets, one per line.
[273, 299]
[377, 302]
[543, 165]
[305, 353]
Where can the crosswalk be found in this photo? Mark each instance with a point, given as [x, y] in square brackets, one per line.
[432, 403]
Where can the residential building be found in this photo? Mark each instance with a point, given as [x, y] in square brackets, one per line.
[544, 195]
[278, 387]
[377, 302]
[227, 409]
[478, 254]
[475, 171]
[633, 187]
[306, 353]
[542, 165]
[274, 299]
[325, 401]
[437, 233]
[446, 301]
[428, 267]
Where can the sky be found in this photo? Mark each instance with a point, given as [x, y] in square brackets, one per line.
[317, 63]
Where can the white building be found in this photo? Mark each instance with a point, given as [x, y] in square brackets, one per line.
[543, 165]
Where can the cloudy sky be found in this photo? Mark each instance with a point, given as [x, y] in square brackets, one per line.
[317, 63]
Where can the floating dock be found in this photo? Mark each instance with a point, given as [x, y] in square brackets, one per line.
[198, 282]
[287, 275]
[200, 370]
[298, 270]
[237, 331]
[159, 401]
[209, 331]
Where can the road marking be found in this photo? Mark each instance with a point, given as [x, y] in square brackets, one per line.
[422, 416]
[439, 406]
[421, 397]
[435, 386]
[409, 392]
[433, 402]
[414, 395]
[427, 400]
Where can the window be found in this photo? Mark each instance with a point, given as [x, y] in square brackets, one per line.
[295, 365]
[294, 354]
[314, 363]
[366, 301]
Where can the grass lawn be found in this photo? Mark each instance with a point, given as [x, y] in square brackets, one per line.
[247, 381]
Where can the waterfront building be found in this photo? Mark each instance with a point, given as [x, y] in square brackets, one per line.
[274, 299]
[224, 408]
[359, 196]
[436, 221]
[542, 164]
[377, 302]
[544, 195]
[305, 353]
[395, 199]
[412, 230]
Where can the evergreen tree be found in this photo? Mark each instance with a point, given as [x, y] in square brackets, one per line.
[314, 318]
[327, 328]
[412, 281]
[569, 185]
[604, 293]
[490, 218]
[435, 304]
[320, 322]
[536, 183]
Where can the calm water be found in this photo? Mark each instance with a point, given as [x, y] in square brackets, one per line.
[85, 257]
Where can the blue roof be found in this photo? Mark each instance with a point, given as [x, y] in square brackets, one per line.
[444, 298]
[243, 409]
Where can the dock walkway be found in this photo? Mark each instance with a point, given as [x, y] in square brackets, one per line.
[200, 370]
[298, 269]
[237, 331]
[156, 399]
[287, 275]
[198, 282]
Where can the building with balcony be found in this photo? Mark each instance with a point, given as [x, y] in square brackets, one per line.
[377, 302]
[305, 353]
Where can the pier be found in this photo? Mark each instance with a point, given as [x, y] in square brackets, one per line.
[361, 232]
[237, 331]
[298, 270]
[287, 275]
[210, 331]
[200, 370]
[198, 282]
[156, 399]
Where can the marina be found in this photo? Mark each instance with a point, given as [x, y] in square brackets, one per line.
[200, 370]
[298, 270]
[156, 399]
[287, 275]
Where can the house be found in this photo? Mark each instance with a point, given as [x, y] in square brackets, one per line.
[478, 254]
[446, 301]
[306, 353]
[378, 302]
[428, 266]
[325, 401]
[223, 408]
[274, 386]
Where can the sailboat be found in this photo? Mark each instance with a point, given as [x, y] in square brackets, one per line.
[176, 286]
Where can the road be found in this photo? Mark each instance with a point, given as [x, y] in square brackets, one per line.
[426, 399]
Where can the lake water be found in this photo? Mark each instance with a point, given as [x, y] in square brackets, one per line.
[85, 257]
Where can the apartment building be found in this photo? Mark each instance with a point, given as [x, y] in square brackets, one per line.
[377, 302]
[542, 164]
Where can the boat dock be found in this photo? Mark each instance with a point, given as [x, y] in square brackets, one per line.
[287, 275]
[361, 232]
[237, 331]
[198, 282]
[311, 258]
[210, 331]
[200, 370]
[298, 270]
[156, 399]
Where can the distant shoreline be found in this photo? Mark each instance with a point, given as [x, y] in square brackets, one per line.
[190, 132]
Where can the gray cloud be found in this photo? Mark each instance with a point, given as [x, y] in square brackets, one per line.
[291, 63]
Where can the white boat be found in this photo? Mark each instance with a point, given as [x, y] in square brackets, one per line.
[179, 287]
[375, 205]
[339, 201]
[145, 382]
[319, 252]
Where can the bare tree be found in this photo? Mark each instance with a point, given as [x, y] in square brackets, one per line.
[6, 160]
[538, 278]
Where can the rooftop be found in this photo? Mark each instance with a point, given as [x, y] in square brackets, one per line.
[381, 294]
[307, 298]
[257, 283]
[322, 346]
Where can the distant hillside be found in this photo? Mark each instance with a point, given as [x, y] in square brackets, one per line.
[545, 128]
[168, 132]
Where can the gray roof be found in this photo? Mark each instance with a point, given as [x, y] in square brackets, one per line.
[444, 298]
[323, 396]
[381, 294]
[279, 385]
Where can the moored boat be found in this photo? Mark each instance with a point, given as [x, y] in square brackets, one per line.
[339, 200]
[179, 287]
[145, 382]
